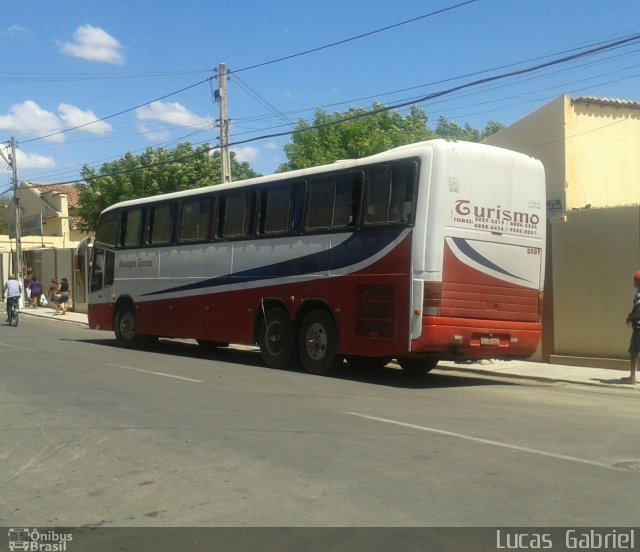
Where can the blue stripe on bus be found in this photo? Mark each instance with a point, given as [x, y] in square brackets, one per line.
[355, 249]
[464, 247]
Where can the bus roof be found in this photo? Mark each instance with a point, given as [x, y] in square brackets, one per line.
[409, 150]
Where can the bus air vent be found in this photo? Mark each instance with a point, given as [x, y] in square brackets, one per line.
[375, 311]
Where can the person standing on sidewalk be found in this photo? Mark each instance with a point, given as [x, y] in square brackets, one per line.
[633, 318]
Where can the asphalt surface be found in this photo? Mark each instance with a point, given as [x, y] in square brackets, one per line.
[525, 369]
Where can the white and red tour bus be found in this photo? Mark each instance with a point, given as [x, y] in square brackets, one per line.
[429, 251]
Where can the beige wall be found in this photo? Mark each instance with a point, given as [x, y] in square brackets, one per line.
[595, 254]
[603, 155]
[540, 135]
[589, 149]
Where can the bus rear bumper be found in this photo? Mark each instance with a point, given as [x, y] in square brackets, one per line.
[460, 338]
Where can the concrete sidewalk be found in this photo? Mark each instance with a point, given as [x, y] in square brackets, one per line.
[605, 377]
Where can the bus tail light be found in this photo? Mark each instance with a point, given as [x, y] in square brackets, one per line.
[432, 298]
[540, 305]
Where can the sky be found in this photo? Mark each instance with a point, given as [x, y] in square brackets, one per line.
[83, 82]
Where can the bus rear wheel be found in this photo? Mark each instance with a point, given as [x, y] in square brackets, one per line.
[319, 343]
[277, 339]
[417, 368]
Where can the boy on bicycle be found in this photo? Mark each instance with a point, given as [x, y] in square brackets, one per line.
[12, 291]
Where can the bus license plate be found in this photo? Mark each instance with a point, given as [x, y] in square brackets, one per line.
[490, 341]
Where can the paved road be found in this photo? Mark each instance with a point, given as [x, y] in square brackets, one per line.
[96, 435]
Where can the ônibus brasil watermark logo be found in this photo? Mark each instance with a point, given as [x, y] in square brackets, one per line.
[36, 540]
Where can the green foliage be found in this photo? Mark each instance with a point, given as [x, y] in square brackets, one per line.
[156, 171]
[365, 132]
[453, 131]
[360, 135]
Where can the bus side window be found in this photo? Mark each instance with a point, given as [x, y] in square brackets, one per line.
[108, 229]
[238, 213]
[390, 193]
[274, 209]
[320, 198]
[377, 201]
[195, 219]
[402, 188]
[161, 224]
[297, 206]
[131, 227]
[346, 209]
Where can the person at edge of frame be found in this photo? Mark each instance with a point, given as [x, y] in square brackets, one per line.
[633, 318]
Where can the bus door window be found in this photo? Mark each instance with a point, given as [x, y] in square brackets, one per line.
[103, 266]
[97, 269]
[109, 268]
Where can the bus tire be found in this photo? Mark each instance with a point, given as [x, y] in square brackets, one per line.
[417, 368]
[125, 327]
[318, 343]
[277, 339]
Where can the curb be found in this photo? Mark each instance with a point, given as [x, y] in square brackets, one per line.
[557, 379]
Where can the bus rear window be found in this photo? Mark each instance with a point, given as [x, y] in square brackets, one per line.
[390, 193]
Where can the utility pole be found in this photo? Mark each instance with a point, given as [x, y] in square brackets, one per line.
[225, 157]
[16, 200]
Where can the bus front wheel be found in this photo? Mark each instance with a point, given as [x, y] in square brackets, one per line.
[319, 343]
[125, 327]
[277, 339]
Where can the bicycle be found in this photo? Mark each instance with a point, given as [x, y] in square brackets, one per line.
[13, 311]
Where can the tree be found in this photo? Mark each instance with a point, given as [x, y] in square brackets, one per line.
[156, 171]
[453, 131]
[363, 133]
[366, 132]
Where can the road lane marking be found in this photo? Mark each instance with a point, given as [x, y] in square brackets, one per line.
[15, 347]
[487, 441]
[163, 374]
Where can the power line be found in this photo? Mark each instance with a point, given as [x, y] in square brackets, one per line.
[601, 48]
[252, 67]
[517, 72]
[351, 39]
[119, 112]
